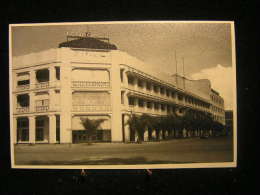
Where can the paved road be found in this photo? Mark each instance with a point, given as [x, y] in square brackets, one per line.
[190, 150]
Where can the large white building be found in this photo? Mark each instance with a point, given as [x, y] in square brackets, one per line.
[89, 77]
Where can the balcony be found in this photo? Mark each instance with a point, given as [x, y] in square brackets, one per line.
[23, 87]
[42, 85]
[91, 108]
[22, 109]
[41, 108]
[88, 84]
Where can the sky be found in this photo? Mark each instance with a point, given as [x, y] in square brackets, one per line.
[205, 48]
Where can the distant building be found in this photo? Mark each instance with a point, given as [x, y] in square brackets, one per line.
[89, 77]
[229, 121]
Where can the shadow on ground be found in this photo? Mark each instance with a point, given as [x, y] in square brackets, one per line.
[107, 161]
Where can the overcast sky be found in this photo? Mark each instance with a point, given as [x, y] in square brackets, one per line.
[205, 47]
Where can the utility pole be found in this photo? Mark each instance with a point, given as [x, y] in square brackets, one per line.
[176, 66]
[183, 72]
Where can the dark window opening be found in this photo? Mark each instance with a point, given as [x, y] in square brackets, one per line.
[23, 82]
[42, 75]
[156, 106]
[22, 129]
[148, 86]
[23, 100]
[130, 80]
[155, 89]
[149, 105]
[167, 93]
[162, 90]
[140, 83]
[131, 101]
[39, 129]
[58, 128]
[140, 103]
[162, 107]
[57, 70]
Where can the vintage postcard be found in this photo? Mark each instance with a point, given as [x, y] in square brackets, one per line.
[123, 95]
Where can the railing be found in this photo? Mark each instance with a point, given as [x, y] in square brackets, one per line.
[41, 108]
[91, 108]
[42, 85]
[23, 87]
[88, 84]
[22, 109]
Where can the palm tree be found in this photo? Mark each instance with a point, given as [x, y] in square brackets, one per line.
[138, 125]
[91, 127]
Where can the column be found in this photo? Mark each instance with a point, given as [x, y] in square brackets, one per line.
[145, 105]
[14, 103]
[32, 79]
[52, 128]
[127, 128]
[14, 130]
[52, 75]
[146, 134]
[126, 99]
[32, 102]
[135, 83]
[32, 129]
[52, 99]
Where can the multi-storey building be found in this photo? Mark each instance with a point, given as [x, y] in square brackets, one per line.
[229, 122]
[89, 77]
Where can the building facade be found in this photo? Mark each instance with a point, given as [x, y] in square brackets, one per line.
[89, 77]
[229, 122]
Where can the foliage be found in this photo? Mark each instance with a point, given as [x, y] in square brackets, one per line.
[91, 126]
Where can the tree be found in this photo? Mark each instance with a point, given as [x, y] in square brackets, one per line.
[138, 124]
[91, 126]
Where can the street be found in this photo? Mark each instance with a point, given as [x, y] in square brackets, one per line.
[189, 150]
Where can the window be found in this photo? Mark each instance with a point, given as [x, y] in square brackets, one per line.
[140, 103]
[130, 80]
[39, 129]
[156, 106]
[57, 128]
[162, 107]
[167, 93]
[148, 86]
[23, 82]
[23, 100]
[162, 91]
[57, 70]
[155, 88]
[149, 105]
[140, 83]
[131, 101]
[42, 75]
[22, 129]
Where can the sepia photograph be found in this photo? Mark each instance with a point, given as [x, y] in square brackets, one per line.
[123, 95]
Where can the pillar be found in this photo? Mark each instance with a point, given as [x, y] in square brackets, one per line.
[14, 130]
[52, 128]
[52, 75]
[32, 79]
[32, 129]
[32, 102]
[146, 134]
[127, 128]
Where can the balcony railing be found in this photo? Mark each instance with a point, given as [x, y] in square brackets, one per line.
[87, 84]
[41, 108]
[22, 87]
[42, 85]
[22, 109]
[91, 108]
